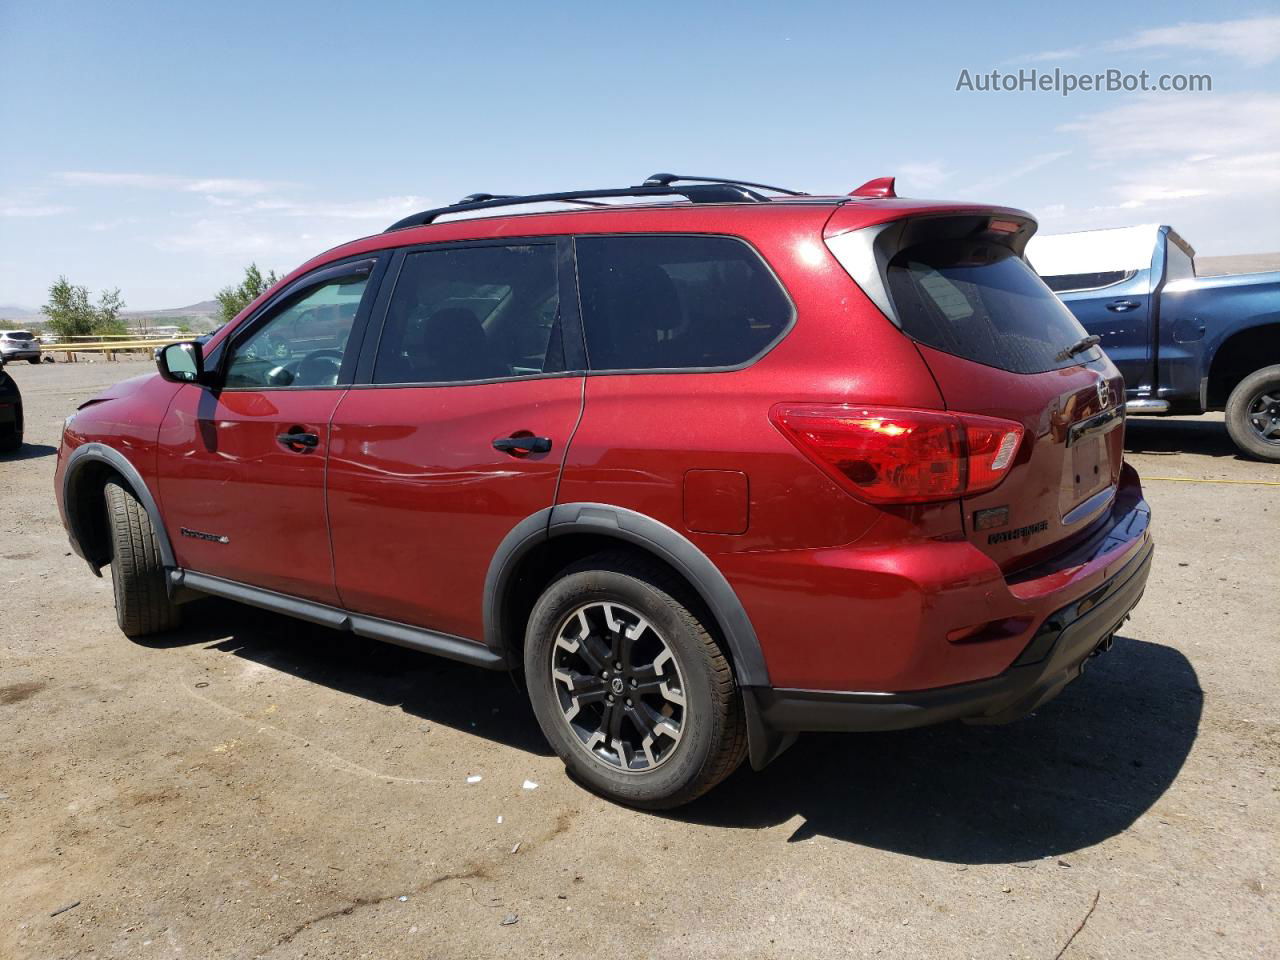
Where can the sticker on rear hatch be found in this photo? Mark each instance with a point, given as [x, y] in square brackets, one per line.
[991, 518]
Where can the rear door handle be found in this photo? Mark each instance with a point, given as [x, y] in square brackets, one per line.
[1123, 306]
[298, 439]
[524, 444]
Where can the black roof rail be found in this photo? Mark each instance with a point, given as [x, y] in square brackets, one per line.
[666, 179]
[700, 190]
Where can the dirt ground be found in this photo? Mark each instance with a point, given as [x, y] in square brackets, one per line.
[252, 787]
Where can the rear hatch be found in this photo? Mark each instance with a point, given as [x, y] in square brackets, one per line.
[1000, 344]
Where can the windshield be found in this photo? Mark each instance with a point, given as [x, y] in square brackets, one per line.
[980, 301]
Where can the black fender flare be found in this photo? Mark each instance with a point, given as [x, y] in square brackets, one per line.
[89, 453]
[648, 534]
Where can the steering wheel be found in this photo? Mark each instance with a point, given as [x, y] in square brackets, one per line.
[320, 368]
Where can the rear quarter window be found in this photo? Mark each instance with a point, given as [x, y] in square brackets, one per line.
[658, 302]
[982, 302]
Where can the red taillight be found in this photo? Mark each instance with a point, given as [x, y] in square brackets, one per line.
[891, 455]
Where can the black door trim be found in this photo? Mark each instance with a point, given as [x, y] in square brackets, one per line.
[388, 631]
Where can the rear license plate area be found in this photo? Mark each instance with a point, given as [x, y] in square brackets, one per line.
[1090, 467]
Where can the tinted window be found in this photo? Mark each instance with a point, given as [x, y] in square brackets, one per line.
[1178, 265]
[303, 344]
[982, 302]
[1086, 281]
[472, 313]
[653, 302]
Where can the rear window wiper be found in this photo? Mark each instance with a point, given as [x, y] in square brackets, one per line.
[1080, 346]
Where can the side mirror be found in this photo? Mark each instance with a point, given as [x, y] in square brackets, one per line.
[181, 362]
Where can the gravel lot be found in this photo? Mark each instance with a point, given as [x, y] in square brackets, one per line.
[252, 787]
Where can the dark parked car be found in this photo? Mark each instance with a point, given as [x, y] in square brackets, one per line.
[1184, 344]
[10, 412]
[711, 471]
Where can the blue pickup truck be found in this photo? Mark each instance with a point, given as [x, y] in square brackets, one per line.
[1185, 344]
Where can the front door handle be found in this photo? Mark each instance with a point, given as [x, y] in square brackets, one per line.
[1123, 306]
[298, 441]
[523, 444]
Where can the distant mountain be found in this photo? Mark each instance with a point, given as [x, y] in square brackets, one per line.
[11, 311]
[205, 308]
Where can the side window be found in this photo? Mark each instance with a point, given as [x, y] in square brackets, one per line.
[303, 344]
[1178, 265]
[472, 313]
[661, 302]
[1072, 282]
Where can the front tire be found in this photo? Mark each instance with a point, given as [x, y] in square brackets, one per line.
[137, 572]
[1253, 414]
[630, 688]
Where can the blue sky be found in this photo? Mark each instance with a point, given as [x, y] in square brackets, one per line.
[159, 147]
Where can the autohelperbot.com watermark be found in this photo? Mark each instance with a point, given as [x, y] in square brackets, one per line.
[1065, 82]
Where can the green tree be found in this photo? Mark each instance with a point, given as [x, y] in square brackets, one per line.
[231, 300]
[72, 315]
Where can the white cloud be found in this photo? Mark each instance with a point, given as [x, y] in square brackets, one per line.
[1254, 41]
[153, 181]
[923, 176]
[104, 226]
[1068, 53]
[989, 184]
[1210, 166]
[382, 208]
[241, 217]
[282, 230]
[1231, 123]
[237, 237]
[19, 209]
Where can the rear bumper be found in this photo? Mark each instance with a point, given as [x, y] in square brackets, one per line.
[31, 354]
[1054, 656]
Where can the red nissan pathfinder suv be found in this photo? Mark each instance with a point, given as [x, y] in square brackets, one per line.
[713, 463]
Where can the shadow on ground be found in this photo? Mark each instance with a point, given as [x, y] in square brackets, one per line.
[29, 451]
[1081, 769]
[486, 703]
[1153, 435]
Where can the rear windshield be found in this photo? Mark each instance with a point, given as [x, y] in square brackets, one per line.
[19, 335]
[982, 302]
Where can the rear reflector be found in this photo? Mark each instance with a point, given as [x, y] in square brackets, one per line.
[895, 455]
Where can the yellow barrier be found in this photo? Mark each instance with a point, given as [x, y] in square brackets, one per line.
[108, 346]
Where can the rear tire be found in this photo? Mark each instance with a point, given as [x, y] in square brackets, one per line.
[33, 359]
[674, 743]
[137, 572]
[13, 441]
[1253, 409]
